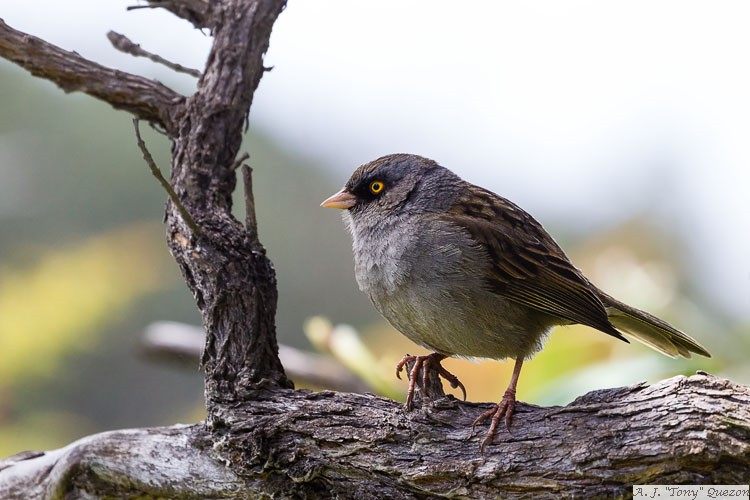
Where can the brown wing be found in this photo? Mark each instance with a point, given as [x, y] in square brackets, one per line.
[528, 267]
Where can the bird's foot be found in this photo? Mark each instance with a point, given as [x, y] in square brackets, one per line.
[504, 407]
[430, 362]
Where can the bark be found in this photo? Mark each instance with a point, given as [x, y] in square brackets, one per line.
[301, 444]
[263, 439]
[233, 281]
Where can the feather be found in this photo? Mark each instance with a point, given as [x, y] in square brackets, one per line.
[526, 265]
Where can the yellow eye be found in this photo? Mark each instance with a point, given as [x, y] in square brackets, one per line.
[376, 187]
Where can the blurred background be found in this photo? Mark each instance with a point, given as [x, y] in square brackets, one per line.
[622, 127]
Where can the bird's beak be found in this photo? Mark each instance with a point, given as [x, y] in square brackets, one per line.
[341, 200]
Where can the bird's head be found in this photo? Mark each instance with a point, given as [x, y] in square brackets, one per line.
[392, 184]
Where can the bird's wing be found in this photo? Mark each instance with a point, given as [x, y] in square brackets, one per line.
[527, 266]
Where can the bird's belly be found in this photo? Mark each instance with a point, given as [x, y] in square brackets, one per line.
[464, 322]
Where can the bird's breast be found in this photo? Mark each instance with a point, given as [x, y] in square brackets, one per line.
[408, 257]
[381, 262]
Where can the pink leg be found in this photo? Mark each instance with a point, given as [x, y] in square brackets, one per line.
[504, 407]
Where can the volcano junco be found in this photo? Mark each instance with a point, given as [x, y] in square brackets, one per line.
[465, 272]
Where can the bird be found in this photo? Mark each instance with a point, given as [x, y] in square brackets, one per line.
[464, 272]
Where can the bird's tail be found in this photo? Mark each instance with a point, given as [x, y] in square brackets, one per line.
[650, 330]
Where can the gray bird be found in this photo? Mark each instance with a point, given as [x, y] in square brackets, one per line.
[464, 272]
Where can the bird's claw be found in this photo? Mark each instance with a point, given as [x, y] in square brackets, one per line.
[506, 406]
[452, 380]
[425, 364]
[400, 365]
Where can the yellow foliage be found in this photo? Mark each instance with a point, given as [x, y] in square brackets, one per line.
[42, 431]
[57, 304]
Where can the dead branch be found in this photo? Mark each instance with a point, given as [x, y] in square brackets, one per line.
[300, 444]
[126, 45]
[183, 343]
[154, 168]
[144, 98]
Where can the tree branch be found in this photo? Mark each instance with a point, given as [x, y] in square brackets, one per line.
[233, 280]
[183, 343]
[154, 168]
[299, 444]
[219, 107]
[158, 462]
[251, 222]
[144, 98]
[126, 45]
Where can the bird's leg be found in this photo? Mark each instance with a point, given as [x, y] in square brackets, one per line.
[412, 375]
[504, 407]
[426, 364]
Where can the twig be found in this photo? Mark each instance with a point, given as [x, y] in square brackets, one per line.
[164, 183]
[124, 44]
[251, 223]
[238, 162]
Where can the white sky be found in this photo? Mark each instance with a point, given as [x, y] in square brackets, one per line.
[580, 111]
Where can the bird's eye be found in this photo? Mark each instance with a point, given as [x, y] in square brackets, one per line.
[376, 187]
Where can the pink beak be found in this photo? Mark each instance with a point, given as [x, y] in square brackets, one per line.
[341, 200]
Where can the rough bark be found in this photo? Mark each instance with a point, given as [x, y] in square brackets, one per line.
[263, 439]
[301, 444]
[233, 281]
